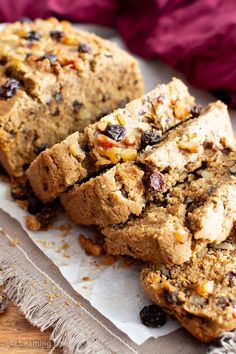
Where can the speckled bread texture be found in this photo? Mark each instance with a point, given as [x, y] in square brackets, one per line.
[199, 211]
[114, 138]
[68, 79]
[106, 192]
[201, 294]
[182, 151]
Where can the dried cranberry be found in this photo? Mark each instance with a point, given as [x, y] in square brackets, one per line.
[84, 48]
[154, 181]
[153, 316]
[51, 57]
[115, 132]
[34, 205]
[150, 137]
[57, 35]
[8, 89]
[40, 148]
[195, 111]
[32, 36]
[3, 302]
[77, 105]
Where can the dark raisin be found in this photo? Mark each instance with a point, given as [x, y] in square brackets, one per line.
[56, 112]
[34, 205]
[84, 48]
[3, 302]
[195, 111]
[8, 89]
[210, 190]
[154, 182]
[150, 137]
[57, 35]
[77, 105]
[51, 57]
[40, 148]
[32, 36]
[231, 276]
[58, 96]
[188, 200]
[124, 193]
[233, 170]
[21, 191]
[153, 316]
[172, 297]
[115, 132]
[46, 216]
[123, 102]
[223, 302]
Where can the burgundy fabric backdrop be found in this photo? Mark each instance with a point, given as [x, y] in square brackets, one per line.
[198, 37]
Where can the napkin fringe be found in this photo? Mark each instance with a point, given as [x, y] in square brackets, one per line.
[31, 291]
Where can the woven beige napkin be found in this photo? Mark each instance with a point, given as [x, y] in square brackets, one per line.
[47, 300]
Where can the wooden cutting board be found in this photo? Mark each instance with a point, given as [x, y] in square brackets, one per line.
[17, 335]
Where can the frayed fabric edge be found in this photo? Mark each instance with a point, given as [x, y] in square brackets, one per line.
[46, 305]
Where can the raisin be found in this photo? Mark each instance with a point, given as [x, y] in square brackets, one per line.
[51, 57]
[233, 170]
[77, 105]
[154, 182]
[210, 190]
[32, 36]
[150, 137]
[84, 48]
[124, 193]
[3, 302]
[46, 216]
[115, 132]
[57, 35]
[8, 89]
[172, 297]
[123, 102]
[231, 276]
[34, 205]
[153, 316]
[223, 302]
[58, 96]
[20, 191]
[40, 148]
[195, 111]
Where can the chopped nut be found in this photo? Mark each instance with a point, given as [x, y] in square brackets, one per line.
[205, 287]
[189, 146]
[74, 150]
[181, 235]
[129, 154]
[90, 247]
[181, 111]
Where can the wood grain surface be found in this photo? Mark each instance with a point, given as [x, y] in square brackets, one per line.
[17, 335]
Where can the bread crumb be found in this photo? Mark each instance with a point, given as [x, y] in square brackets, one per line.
[22, 203]
[14, 242]
[108, 260]
[86, 278]
[32, 223]
[91, 248]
